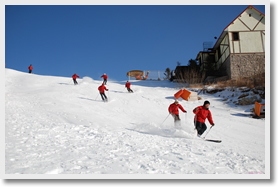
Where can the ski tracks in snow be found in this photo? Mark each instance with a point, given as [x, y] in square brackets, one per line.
[54, 128]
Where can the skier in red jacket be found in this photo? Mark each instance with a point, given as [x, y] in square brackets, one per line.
[127, 85]
[202, 113]
[102, 89]
[104, 76]
[74, 79]
[174, 111]
[30, 68]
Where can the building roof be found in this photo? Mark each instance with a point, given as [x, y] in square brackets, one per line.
[224, 31]
[203, 52]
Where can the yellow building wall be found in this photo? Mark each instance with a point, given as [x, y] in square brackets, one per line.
[236, 47]
[261, 25]
[246, 23]
[251, 42]
[237, 26]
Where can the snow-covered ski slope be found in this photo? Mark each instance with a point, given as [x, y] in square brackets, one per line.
[55, 127]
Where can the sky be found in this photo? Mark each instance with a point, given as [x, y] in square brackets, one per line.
[89, 40]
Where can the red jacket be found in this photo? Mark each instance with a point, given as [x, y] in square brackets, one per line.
[174, 109]
[104, 76]
[127, 84]
[30, 67]
[102, 88]
[74, 76]
[202, 114]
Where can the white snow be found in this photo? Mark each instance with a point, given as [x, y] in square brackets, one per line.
[55, 127]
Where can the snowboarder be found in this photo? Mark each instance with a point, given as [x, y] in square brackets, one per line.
[127, 85]
[74, 79]
[30, 68]
[102, 89]
[174, 111]
[104, 76]
[202, 112]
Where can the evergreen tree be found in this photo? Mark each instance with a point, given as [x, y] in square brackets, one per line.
[193, 65]
[167, 73]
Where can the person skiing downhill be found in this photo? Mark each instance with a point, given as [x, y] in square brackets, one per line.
[102, 89]
[201, 114]
[174, 111]
[127, 85]
[74, 79]
[104, 76]
[30, 68]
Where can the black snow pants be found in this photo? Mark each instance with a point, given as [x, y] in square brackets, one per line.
[103, 96]
[105, 81]
[30, 71]
[129, 90]
[177, 121]
[74, 81]
[201, 127]
[176, 117]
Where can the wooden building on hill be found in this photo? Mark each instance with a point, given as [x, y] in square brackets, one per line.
[240, 49]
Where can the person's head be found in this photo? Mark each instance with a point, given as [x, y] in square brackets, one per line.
[176, 102]
[206, 104]
[126, 81]
[104, 74]
[102, 84]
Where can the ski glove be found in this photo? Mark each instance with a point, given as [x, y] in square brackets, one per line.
[212, 124]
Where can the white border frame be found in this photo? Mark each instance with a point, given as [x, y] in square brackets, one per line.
[149, 176]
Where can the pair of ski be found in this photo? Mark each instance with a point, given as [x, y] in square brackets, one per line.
[204, 138]
[210, 140]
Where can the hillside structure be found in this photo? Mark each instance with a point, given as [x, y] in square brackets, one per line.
[240, 49]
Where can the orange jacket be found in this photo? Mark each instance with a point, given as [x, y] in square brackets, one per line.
[174, 109]
[74, 76]
[104, 76]
[102, 88]
[202, 114]
[127, 84]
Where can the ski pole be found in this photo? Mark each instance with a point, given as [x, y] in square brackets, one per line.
[195, 121]
[165, 119]
[185, 117]
[207, 132]
[96, 97]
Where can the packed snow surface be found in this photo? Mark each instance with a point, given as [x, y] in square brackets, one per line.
[55, 127]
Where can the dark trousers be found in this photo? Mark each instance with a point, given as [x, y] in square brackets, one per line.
[105, 81]
[74, 81]
[176, 117]
[103, 96]
[129, 90]
[30, 71]
[201, 127]
[177, 121]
